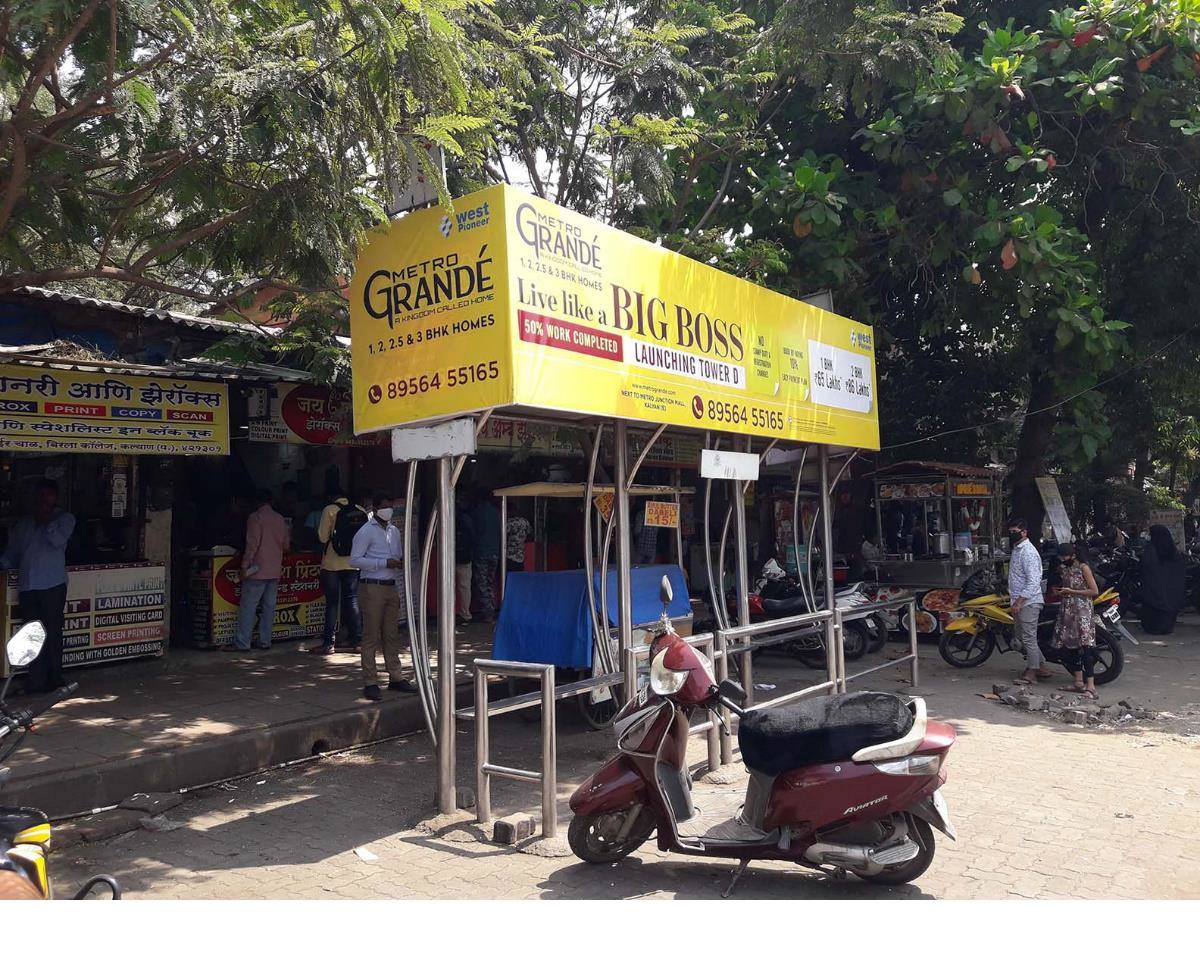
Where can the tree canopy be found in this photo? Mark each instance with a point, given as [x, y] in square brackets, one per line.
[1008, 192]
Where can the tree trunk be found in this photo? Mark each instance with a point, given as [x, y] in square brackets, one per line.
[1033, 445]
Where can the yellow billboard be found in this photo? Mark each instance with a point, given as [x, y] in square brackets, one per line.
[511, 300]
[45, 410]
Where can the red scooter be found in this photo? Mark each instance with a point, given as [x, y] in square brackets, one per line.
[844, 783]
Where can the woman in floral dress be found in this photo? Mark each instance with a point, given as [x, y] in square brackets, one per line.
[1075, 631]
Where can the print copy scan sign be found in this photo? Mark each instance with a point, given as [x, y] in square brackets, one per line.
[509, 299]
[47, 410]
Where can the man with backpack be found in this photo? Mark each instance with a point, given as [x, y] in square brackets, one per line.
[340, 521]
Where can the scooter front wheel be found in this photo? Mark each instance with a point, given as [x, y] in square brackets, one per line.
[595, 837]
[921, 834]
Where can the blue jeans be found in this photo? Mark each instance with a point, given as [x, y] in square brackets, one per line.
[341, 589]
[255, 591]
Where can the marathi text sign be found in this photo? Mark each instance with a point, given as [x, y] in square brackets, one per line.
[309, 415]
[48, 410]
[510, 300]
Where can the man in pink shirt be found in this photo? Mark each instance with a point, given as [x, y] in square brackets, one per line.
[267, 540]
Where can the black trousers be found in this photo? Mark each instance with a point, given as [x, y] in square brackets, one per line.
[1081, 661]
[1158, 622]
[48, 605]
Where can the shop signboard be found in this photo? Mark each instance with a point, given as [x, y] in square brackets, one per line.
[506, 299]
[965, 488]
[299, 604]
[47, 410]
[113, 612]
[311, 415]
[911, 491]
[1172, 520]
[662, 513]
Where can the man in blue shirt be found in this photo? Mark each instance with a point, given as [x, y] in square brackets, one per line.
[37, 548]
[1025, 594]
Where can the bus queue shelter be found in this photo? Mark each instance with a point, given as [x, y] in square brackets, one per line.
[506, 303]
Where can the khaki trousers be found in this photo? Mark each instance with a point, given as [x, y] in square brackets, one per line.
[380, 605]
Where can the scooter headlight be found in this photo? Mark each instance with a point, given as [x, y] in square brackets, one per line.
[663, 680]
[912, 765]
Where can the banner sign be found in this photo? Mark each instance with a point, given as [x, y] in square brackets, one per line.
[662, 513]
[113, 612]
[1056, 511]
[299, 603]
[310, 415]
[511, 300]
[48, 410]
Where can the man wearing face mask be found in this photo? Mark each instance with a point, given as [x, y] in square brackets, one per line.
[1025, 592]
[378, 554]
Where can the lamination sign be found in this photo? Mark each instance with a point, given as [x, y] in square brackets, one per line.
[512, 301]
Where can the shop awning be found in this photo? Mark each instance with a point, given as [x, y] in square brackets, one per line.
[576, 490]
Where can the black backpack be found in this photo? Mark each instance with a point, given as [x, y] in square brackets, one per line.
[349, 519]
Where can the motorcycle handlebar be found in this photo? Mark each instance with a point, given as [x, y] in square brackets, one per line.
[27, 716]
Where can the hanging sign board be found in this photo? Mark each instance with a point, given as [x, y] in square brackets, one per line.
[1056, 511]
[717, 464]
[507, 299]
[662, 513]
[45, 410]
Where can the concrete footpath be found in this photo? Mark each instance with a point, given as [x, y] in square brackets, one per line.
[1043, 809]
[198, 717]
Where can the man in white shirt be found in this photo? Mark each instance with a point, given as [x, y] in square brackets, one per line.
[378, 554]
[1025, 594]
[870, 550]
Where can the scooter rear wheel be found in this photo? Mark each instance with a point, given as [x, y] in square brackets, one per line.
[901, 874]
[593, 838]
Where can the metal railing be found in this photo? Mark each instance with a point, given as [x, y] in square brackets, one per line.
[482, 713]
[861, 612]
[739, 641]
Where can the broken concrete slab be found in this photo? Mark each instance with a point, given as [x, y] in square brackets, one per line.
[151, 803]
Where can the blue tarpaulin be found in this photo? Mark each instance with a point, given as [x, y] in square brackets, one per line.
[545, 619]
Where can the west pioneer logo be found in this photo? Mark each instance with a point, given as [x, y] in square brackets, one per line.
[466, 220]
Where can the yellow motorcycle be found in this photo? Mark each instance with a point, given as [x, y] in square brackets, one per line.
[984, 624]
[24, 831]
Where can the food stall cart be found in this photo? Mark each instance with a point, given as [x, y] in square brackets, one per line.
[937, 524]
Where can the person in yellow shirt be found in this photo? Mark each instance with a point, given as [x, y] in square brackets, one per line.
[340, 521]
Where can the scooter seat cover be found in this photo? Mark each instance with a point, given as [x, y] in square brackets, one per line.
[820, 730]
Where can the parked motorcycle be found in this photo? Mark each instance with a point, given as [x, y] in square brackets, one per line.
[778, 595]
[24, 831]
[844, 783]
[987, 625]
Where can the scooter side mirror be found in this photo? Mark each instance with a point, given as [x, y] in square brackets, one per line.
[732, 690]
[665, 592]
[26, 643]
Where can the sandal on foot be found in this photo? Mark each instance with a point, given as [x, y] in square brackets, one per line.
[1022, 680]
[1090, 695]
[1073, 688]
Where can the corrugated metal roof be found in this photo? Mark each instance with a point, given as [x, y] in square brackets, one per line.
[166, 316]
[951, 469]
[37, 355]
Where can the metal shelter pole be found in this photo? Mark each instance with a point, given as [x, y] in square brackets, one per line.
[447, 798]
[743, 585]
[833, 640]
[624, 543]
[503, 548]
